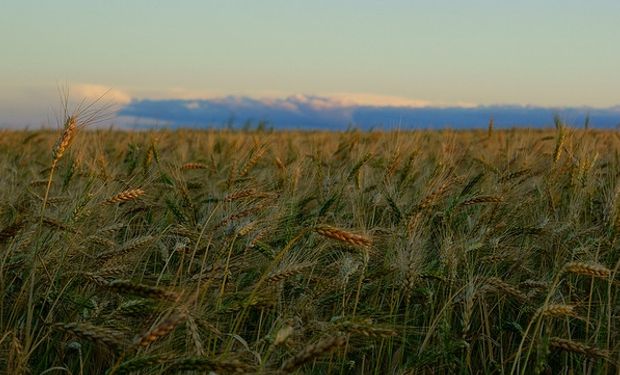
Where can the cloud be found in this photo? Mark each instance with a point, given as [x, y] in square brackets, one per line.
[292, 111]
[365, 111]
[90, 92]
[192, 105]
[373, 100]
[174, 93]
[41, 105]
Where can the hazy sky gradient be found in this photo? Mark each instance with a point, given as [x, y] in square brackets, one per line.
[547, 53]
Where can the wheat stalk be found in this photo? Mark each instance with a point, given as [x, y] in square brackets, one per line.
[140, 363]
[312, 351]
[129, 287]
[577, 347]
[124, 196]
[558, 310]
[239, 195]
[252, 162]
[365, 327]
[188, 166]
[287, 272]
[343, 236]
[113, 339]
[160, 330]
[587, 269]
[127, 247]
[16, 361]
[65, 139]
[503, 286]
[111, 228]
[432, 198]
[482, 199]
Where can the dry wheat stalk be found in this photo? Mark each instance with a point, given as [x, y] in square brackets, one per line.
[503, 286]
[113, 339]
[534, 284]
[113, 270]
[16, 361]
[588, 269]
[56, 224]
[557, 152]
[494, 258]
[343, 236]
[365, 327]
[141, 363]
[54, 200]
[125, 248]
[136, 307]
[126, 286]
[26, 238]
[148, 158]
[482, 199]
[411, 276]
[392, 165]
[558, 310]
[124, 196]
[577, 347]
[42, 182]
[432, 198]
[102, 241]
[97, 279]
[239, 215]
[188, 166]
[65, 139]
[287, 272]
[181, 231]
[215, 271]
[279, 164]
[312, 351]
[487, 165]
[111, 228]
[194, 331]
[247, 228]
[252, 162]
[160, 330]
[239, 195]
[232, 173]
[517, 174]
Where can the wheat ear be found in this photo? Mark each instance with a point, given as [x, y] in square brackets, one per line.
[312, 351]
[124, 196]
[343, 236]
[587, 269]
[577, 347]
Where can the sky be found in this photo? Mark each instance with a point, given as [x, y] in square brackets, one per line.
[353, 54]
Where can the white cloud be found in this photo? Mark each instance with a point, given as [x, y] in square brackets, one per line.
[192, 105]
[288, 100]
[91, 92]
[374, 100]
[174, 93]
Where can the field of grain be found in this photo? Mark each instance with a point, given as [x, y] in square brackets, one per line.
[288, 252]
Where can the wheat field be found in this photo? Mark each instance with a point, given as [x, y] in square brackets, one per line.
[195, 252]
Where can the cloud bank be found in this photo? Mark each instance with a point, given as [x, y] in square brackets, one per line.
[92, 92]
[341, 112]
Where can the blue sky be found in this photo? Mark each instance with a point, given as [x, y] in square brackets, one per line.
[378, 53]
